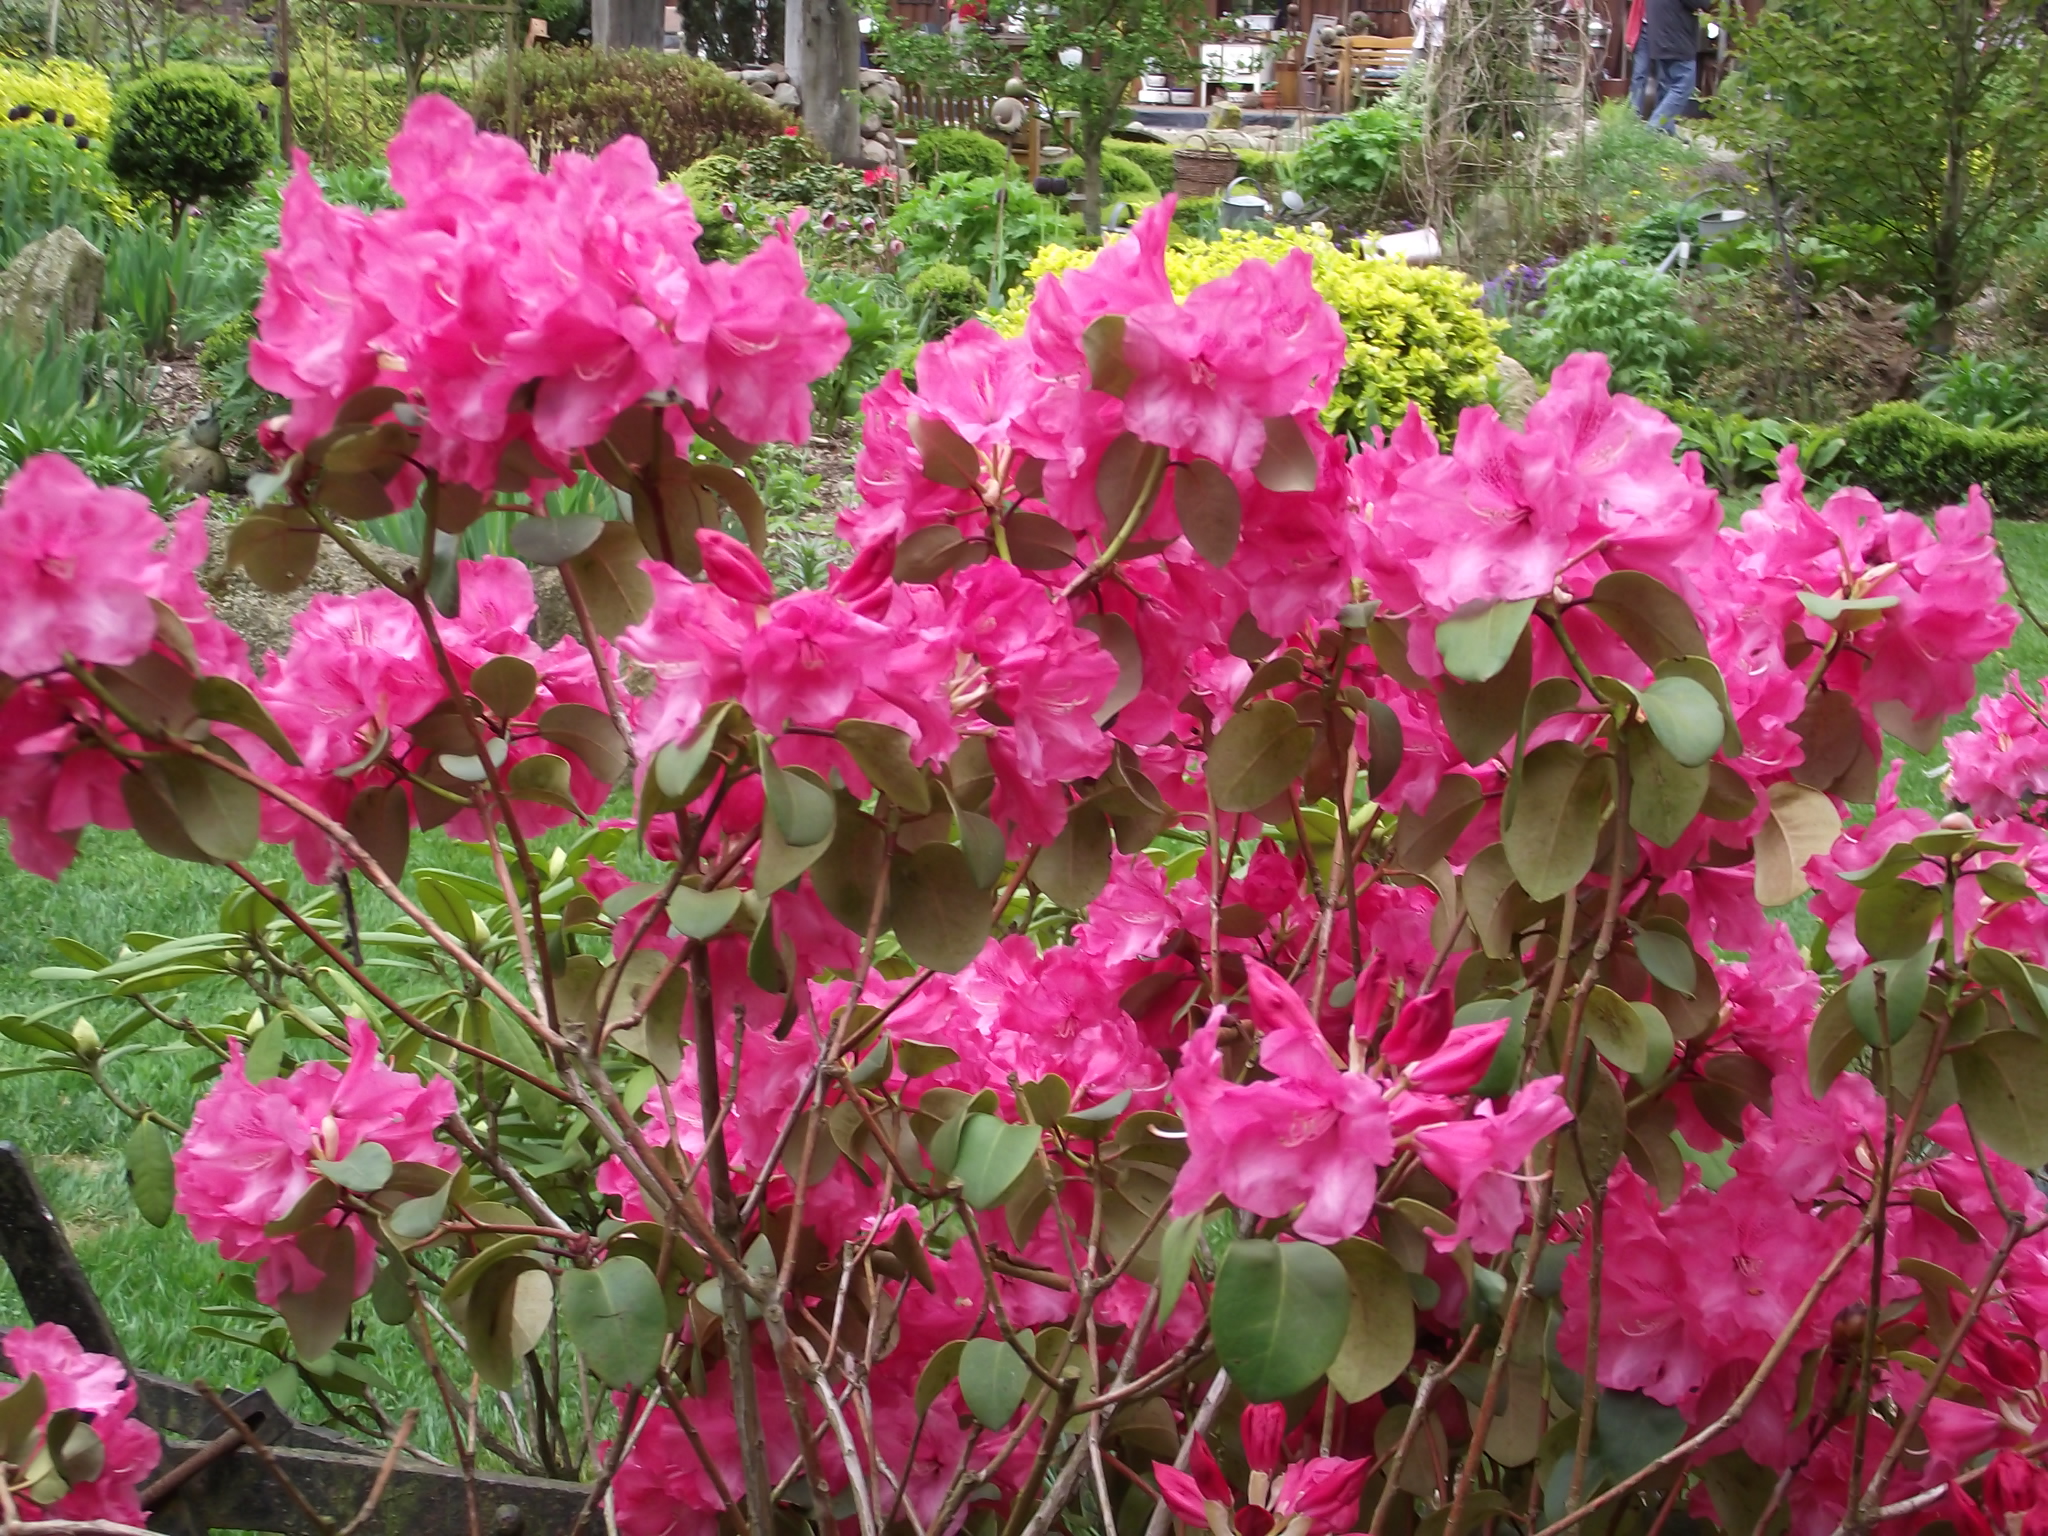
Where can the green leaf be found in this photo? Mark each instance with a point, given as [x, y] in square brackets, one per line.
[1176, 1260]
[2008, 975]
[147, 1152]
[1659, 1044]
[264, 1057]
[1279, 1312]
[1260, 751]
[318, 1318]
[415, 1220]
[992, 1156]
[702, 914]
[2002, 1083]
[228, 702]
[993, 1377]
[1652, 620]
[365, 1170]
[1833, 609]
[1477, 645]
[2005, 881]
[883, 754]
[1481, 718]
[554, 540]
[504, 1317]
[1422, 838]
[1893, 918]
[1664, 796]
[1633, 1430]
[506, 685]
[1832, 1044]
[1562, 805]
[219, 813]
[543, 779]
[678, 766]
[1379, 1338]
[1287, 463]
[389, 1298]
[615, 1316]
[1802, 823]
[1617, 1032]
[590, 735]
[21, 1411]
[1667, 954]
[614, 587]
[77, 1452]
[938, 910]
[1685, 718]
[939, 1373]
[802, 811]
[1102, 344]
[1210, 510]
[944, 454]
[1073, 868]
[780, 861]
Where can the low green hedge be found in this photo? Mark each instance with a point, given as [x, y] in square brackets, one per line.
[1122, 175]
[1155, 160]
[1902, 453]
[958, 149]
[1909, 456]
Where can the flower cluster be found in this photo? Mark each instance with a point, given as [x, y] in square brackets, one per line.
[1188, 908]
[105, 1453]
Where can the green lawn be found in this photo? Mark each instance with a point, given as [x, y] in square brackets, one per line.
[153, 1282]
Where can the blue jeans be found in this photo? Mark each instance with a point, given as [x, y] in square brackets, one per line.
[1675, 80]
[1639, 80]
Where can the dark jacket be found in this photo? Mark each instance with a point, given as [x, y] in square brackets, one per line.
[1671, 29]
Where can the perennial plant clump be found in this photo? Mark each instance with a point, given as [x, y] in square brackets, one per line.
[1201, 966]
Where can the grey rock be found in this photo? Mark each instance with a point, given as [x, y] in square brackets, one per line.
[871, 124]
[1518, 391]
[787, 95]
[874, 152]
[870, 77]
[761, 88]
[195, 470]
[59, 276]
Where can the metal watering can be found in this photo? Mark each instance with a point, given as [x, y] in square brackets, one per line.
[1240, 210]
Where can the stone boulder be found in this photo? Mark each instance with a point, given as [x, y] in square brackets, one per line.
[59, 276]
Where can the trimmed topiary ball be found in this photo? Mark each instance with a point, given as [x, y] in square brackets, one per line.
[186, 133]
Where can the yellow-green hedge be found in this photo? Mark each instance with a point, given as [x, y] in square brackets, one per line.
[1416, 333]
[66, 84]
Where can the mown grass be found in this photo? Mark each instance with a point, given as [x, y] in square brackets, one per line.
[154, 1282]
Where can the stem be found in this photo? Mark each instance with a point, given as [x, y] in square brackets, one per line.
[1148, 489]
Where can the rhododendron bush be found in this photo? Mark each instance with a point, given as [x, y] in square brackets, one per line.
[1207, 976]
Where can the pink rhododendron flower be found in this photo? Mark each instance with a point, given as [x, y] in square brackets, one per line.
[1309, 1136]
[250, 1152]
[82, 565]
[1478, 1158]
[100, 1388]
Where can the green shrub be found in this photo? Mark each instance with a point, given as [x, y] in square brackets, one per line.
[1195, 218]
[1345, 163]
[47, 180]
[186, 133]
[1155, 160]
[955, 218]
[939, 150]
[1739, 451]
[1121, 175]
[1596, 300]
[945, 294]
[2003, 393]
[86, 398]
[584, 98]
[73, 88]
[1910, 457]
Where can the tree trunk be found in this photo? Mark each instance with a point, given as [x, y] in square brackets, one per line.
[1091, 186]
[625, 24]
[821, 47]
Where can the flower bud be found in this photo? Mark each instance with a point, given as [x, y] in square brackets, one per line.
[733, 568]
[1262, 1427]
[1958, 821]
[277, 78]
[1421, 1029]
[86, 1039]
[2011, 1487]
[1462, 1062]
[895, 247]
[729, 212]
[828, 220]
[70, 120]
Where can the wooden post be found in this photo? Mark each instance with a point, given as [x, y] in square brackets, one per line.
[512, 92]
[284, 92]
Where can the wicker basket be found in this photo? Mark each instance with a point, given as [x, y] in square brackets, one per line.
[1202, 172]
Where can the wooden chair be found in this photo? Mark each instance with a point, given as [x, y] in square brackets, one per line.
[1370, 65]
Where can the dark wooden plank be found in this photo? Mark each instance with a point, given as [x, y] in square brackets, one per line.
[422, 1499]
[53, 1287]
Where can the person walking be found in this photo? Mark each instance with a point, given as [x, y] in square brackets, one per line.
[1671, 44]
